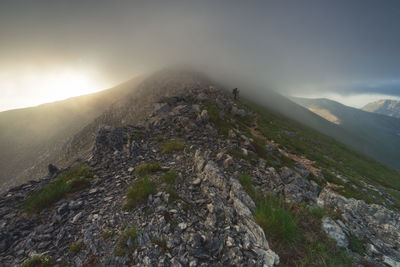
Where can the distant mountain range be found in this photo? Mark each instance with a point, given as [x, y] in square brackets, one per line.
[381, 133]
[386, 107]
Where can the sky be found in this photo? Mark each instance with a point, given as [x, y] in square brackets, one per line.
[347, 50]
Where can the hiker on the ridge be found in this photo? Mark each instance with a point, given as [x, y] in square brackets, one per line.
[235, 93]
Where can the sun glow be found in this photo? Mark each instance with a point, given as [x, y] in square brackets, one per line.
[34, 87]
[67, 84]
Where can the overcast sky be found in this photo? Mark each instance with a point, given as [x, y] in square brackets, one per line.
[304, 48]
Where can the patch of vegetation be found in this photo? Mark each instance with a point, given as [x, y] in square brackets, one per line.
[294, 231]
[107, 234]
[70, 181]
[396, 195]
[75, 248]
[160, 138]
[173, 224]
[139, 192]
[259, 147]
[349, 190]
[137, 135]
[239, 155]
[173, 195]
[38, 261]
[327, 153]
[222, 125]
[169, 177]
[247, 184]
[147, 168]
[148, 211]
[357, 245]
[172, 146]
[280, 224]
[93, 261]
[126, 242]
[325, 253]
[161, 243]
[316, 212]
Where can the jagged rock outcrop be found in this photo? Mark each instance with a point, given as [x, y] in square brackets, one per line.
[375, 224]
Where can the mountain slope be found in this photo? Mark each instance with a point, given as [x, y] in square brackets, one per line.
[69, 127]
[207, 181]
[379, 135]
[30, 134]
[385, 107]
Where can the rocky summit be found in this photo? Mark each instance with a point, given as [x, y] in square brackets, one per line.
[189, 186]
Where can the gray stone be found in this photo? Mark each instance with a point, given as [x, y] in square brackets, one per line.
[333, 230]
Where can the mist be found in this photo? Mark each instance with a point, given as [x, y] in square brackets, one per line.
[296, 48]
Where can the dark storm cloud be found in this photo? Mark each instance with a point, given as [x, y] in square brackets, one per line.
[283, 45]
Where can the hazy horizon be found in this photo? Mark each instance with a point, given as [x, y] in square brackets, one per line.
[55, 50]
[356, 101]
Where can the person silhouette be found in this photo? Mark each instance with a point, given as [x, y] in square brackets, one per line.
[235, 93]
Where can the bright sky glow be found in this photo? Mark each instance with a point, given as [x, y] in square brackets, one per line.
[31, 87]
[356, 101]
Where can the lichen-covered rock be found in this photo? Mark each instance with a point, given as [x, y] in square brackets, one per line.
[371, 222]
[333, 230]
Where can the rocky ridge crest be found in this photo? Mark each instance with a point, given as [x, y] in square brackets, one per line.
[209, 222]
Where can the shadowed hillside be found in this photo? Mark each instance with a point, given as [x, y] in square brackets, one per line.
[376, 135]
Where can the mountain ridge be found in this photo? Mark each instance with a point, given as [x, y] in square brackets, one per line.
[388, 107]
[191, 184]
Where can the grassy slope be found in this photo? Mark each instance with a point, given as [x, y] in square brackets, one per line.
[381, 132]
[330, 155]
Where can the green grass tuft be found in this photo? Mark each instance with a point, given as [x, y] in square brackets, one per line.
[147, 168]
[70, 181]
[122, 248]
[161, 243]
[107, 234]
[294, 230]
[221, 124]
[247, 184]
[38, 261]
[317, 212]
[357, 245]
[278, 222]
[239, 155]
[139, 192]
[173, 195]
[172, 146]
[75, 248]
[169, 177]
[160, 138]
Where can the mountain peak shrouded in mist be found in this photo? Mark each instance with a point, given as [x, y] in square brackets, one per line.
[387, 107]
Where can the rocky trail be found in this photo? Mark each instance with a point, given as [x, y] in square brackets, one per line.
[202, 218]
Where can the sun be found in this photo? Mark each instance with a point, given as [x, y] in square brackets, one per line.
[68, 83]
[32, 86]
